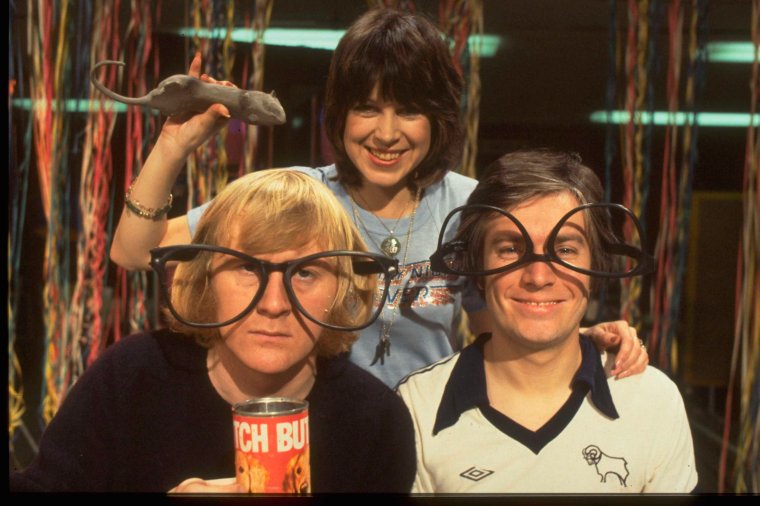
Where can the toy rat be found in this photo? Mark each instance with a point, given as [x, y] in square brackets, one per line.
[181, 94]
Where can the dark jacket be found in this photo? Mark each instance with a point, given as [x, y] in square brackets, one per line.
[144, 417]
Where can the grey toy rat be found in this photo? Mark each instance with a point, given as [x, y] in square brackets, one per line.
[180, 94]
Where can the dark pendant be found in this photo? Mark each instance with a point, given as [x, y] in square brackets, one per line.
[390, 246]
[382, 350]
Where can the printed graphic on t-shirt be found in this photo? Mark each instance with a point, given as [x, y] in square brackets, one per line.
[607, 467]
[476, 473]
[417, 285]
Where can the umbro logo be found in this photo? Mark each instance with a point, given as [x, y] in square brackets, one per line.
[476, 473]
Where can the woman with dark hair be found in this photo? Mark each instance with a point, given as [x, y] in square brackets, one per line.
[392, 118]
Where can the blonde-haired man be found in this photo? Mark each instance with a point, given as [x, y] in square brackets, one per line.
[264, 303]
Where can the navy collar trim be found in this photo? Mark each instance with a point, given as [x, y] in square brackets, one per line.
[466, 388]
[592, 374]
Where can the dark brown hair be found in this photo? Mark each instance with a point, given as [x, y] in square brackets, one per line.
[523, 175]
[406, 56]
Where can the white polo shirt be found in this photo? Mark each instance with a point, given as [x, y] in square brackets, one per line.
[639, 443]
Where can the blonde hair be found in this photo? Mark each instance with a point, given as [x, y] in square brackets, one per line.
[265, 212]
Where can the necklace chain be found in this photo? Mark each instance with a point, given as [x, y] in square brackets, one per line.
[358, 219]
[390, 230]
[390, 245]
[383, 348]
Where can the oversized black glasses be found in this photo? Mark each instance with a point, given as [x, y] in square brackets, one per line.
[328, 288]
[602, 240]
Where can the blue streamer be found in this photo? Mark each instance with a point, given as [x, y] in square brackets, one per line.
[697, 70]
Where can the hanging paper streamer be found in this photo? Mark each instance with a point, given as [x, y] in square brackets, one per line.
[49, 85]
[677, 182]
[262, 15]
[63, 41]
[632, 68]
[131, 311]
[460, 20]
[207, 166]
[745, 362]
[52, 78]
[85, 317]
[247, 132]
[599, 305]
[663, 287]
[222, 61]
[636, 135]
[18, 164]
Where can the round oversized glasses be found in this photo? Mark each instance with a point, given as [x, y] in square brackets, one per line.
[612, 248]
[328, 288]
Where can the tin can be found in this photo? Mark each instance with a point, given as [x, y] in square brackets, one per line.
[272, 445]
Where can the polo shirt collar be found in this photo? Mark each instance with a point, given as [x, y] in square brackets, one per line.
[592, 375]
[466, 388]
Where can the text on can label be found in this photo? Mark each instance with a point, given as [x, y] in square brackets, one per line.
[255, 437]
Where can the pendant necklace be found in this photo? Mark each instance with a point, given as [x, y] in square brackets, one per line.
[390, 245]
[383, 348]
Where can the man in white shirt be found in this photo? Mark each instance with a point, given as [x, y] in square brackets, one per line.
[529, 408]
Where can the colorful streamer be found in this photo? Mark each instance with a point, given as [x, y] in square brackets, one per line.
[48, 43]
[677, 169]
[262, 16]
[663, 287]
[131, 312]
[745, 361]
[635, 65]
[18, 190]
[94, 199]
[207, 171]
[459, 20]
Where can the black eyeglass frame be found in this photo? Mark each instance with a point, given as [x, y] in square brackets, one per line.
[645, 264]
[160, 256]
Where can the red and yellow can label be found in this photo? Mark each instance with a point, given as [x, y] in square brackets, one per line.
[272, 452]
